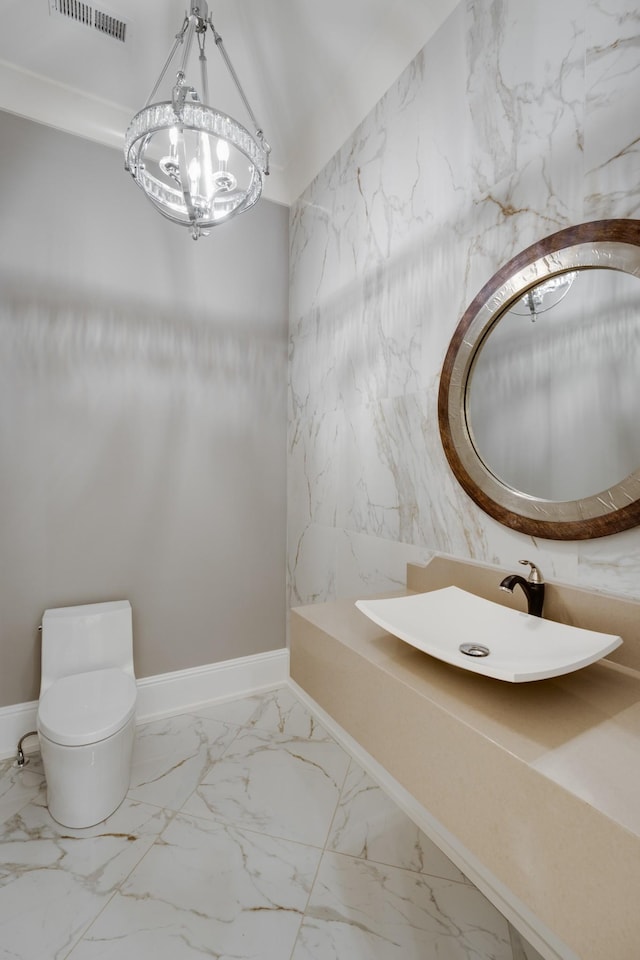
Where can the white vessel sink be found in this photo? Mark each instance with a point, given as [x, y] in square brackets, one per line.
[520, 647]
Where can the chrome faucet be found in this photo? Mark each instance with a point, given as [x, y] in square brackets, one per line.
[533, 587]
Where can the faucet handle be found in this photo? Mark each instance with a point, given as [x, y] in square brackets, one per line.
[534, 574]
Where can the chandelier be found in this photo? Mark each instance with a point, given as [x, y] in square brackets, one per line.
[544, 296]
[198, 166]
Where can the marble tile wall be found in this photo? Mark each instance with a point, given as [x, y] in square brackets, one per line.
[515, 121]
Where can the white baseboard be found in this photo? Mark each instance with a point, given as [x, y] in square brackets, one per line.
[539, 936]
[15, 721]
[168, 693]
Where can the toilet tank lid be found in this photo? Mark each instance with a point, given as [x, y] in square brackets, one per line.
[87, 609]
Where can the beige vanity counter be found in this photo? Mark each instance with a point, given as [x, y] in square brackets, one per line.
[539, 782]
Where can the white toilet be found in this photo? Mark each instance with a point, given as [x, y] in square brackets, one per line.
[86, 713]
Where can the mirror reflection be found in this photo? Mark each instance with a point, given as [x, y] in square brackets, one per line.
[551, 400]
[538, 396]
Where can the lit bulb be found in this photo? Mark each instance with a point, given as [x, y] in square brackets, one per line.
[169, 165]
[222, 152]
[206, 184]
[194, 174]
[225, 181]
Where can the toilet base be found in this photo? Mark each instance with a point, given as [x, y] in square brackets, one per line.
[86, 784]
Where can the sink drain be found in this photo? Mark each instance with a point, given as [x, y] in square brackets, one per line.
[474, 650]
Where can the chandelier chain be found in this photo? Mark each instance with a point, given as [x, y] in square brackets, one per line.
[179, 37]
[203, 63]
[234, 76]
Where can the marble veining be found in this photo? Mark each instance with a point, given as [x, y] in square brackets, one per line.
[369, 826]
[285, 786]
[277, 712]
[358, 908]
[612, 138]
[54, 881]
[283, 849]
[170, 757]
[514, 121]
[207, 890]
[19, 787]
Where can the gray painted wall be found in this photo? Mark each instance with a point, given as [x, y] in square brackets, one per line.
[142, 412]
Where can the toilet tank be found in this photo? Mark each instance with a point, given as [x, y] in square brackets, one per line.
[88, 637]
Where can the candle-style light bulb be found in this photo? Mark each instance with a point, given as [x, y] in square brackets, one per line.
[222, 153]
[194, 174]
[169, 164]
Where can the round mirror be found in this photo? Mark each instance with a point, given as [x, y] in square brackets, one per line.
[537, 397]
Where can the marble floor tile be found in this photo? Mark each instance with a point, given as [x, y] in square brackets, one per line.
[219, 851]
[369, 825]
[207, 890]
[54, 881]
[284, 786]
[171, 756]
[366, 911]
[277, 711]
[18, 787]
[234, 712]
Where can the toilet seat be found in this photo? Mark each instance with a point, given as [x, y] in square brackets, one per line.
[87, 707]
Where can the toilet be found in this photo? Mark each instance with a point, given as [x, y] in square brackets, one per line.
[86, 711]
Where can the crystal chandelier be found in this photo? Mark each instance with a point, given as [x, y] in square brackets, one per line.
[198, 166]
[544, 296]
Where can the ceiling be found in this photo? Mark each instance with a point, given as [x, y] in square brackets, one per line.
[311, 69]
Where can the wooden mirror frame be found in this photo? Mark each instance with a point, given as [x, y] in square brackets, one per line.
[611, 244]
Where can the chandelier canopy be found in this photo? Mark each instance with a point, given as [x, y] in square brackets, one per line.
[198, 166]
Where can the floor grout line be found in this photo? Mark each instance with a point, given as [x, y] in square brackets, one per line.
[324, 850]
[283, 716]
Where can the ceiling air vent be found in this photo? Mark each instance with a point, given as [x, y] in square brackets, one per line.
[91, 16]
